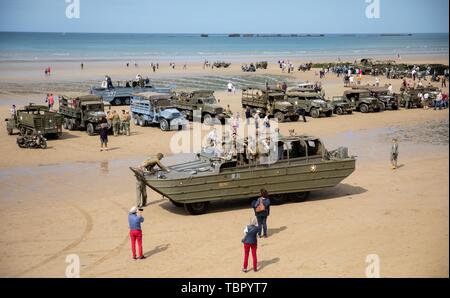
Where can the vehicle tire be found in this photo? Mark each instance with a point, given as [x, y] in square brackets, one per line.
[339, 111]
[141, 120]
[382, 106]
[9, 131]
[176, 204]
[278, 199]
[299, 197]
[364, 108]
[164, 125]
[90, 129]
[329, 114]
[294, 118]
[196, 208]
[314, 113]
[136, 119]
[43, 144]
[127, 101]
[66, 123]
[207, 119]
[394, 107]
[70, 124]
[279, 116]
[350, 112]
[117, 101]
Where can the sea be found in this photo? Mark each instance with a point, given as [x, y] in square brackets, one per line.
[27, 47]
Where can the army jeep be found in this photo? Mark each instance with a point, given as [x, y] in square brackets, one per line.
[203, 100]
[340, 105]
[388, 101]
[362, 101]
[312, 103]
[262, 100]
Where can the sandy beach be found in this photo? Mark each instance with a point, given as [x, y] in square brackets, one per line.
[73, 199]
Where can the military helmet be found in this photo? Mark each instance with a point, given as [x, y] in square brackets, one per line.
[160, 156]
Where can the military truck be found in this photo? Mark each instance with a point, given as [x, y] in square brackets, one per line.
[362, 101]
[83, 113]
[340, 105]
[312, 103]
[33, 119]
[156, 108]
[388, 101]
[121, 93]
[203, 100]
[262, 100]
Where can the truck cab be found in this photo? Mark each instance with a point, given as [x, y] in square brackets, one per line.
[312, 103]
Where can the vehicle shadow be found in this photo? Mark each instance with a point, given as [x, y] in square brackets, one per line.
[157, 249]
[339, 191]
[265, 263]
[65, 136]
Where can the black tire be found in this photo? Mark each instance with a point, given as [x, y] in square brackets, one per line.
[117, 101]
[164, 125]
[176, 204]
[279, 116]
[43, 144]
[329, 114]
[294, 118]
[350, 112]
[70, 125]
[339, 111]
[136, 119]
[207, 119]
[394, 107]
[127, 101]
[66, 123]
[141, 121]
[382, 106]
[9, 131]
[90, 129]
[364, 108]
[278, 199]
[196, 208]
[299, 197]
[314, 113]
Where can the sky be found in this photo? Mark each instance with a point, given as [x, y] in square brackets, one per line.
[226, 16]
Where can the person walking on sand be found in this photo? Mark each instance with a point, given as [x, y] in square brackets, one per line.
[262, 211]
[250, 242]
[135, 218]
[394, 153]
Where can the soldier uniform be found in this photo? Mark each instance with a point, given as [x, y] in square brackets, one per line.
[126, 124]
[115, 118]
[141, 188]
[394, 153]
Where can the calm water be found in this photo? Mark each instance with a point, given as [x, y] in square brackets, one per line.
[96, 46]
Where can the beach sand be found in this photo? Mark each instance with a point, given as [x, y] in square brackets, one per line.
[73, 199]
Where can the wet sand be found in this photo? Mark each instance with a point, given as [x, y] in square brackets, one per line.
[73, 199]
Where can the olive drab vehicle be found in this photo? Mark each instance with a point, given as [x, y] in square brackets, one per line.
[83, 113]
[262, 100]
[201, 100]
[340, 105]
[362, 101]
[312, 103]
[303, 166]
[388, 101]
[34, 119]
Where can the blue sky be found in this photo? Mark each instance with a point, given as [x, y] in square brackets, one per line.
[213, 16]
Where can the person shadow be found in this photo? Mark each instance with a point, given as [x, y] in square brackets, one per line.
[276, 230]
[265, 263]
[157, 249]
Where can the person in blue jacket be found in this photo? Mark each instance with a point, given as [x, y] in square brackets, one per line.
[250, 243]
[262, 211]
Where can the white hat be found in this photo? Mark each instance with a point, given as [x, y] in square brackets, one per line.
[133, 209]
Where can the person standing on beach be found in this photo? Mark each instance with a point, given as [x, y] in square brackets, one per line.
[126, 124]
[262, 211]
[51, 101]
[394, 153]
[250, 242]
[104, 135]
[443, 82]
[82, 65]
[115, 119]
[135, 219]
[248, 114]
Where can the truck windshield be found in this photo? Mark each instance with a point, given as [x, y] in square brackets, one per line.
[94, 107]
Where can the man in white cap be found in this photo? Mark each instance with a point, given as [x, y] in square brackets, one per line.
[135, 219]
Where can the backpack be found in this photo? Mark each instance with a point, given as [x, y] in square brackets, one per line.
[260, 207]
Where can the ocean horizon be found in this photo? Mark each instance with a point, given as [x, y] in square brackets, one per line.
[84, 47]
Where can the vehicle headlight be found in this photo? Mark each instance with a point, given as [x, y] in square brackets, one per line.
[296, 103]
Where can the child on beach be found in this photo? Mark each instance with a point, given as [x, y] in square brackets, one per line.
[104, 136]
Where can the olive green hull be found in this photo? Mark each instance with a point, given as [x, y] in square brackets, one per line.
[280, 178]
